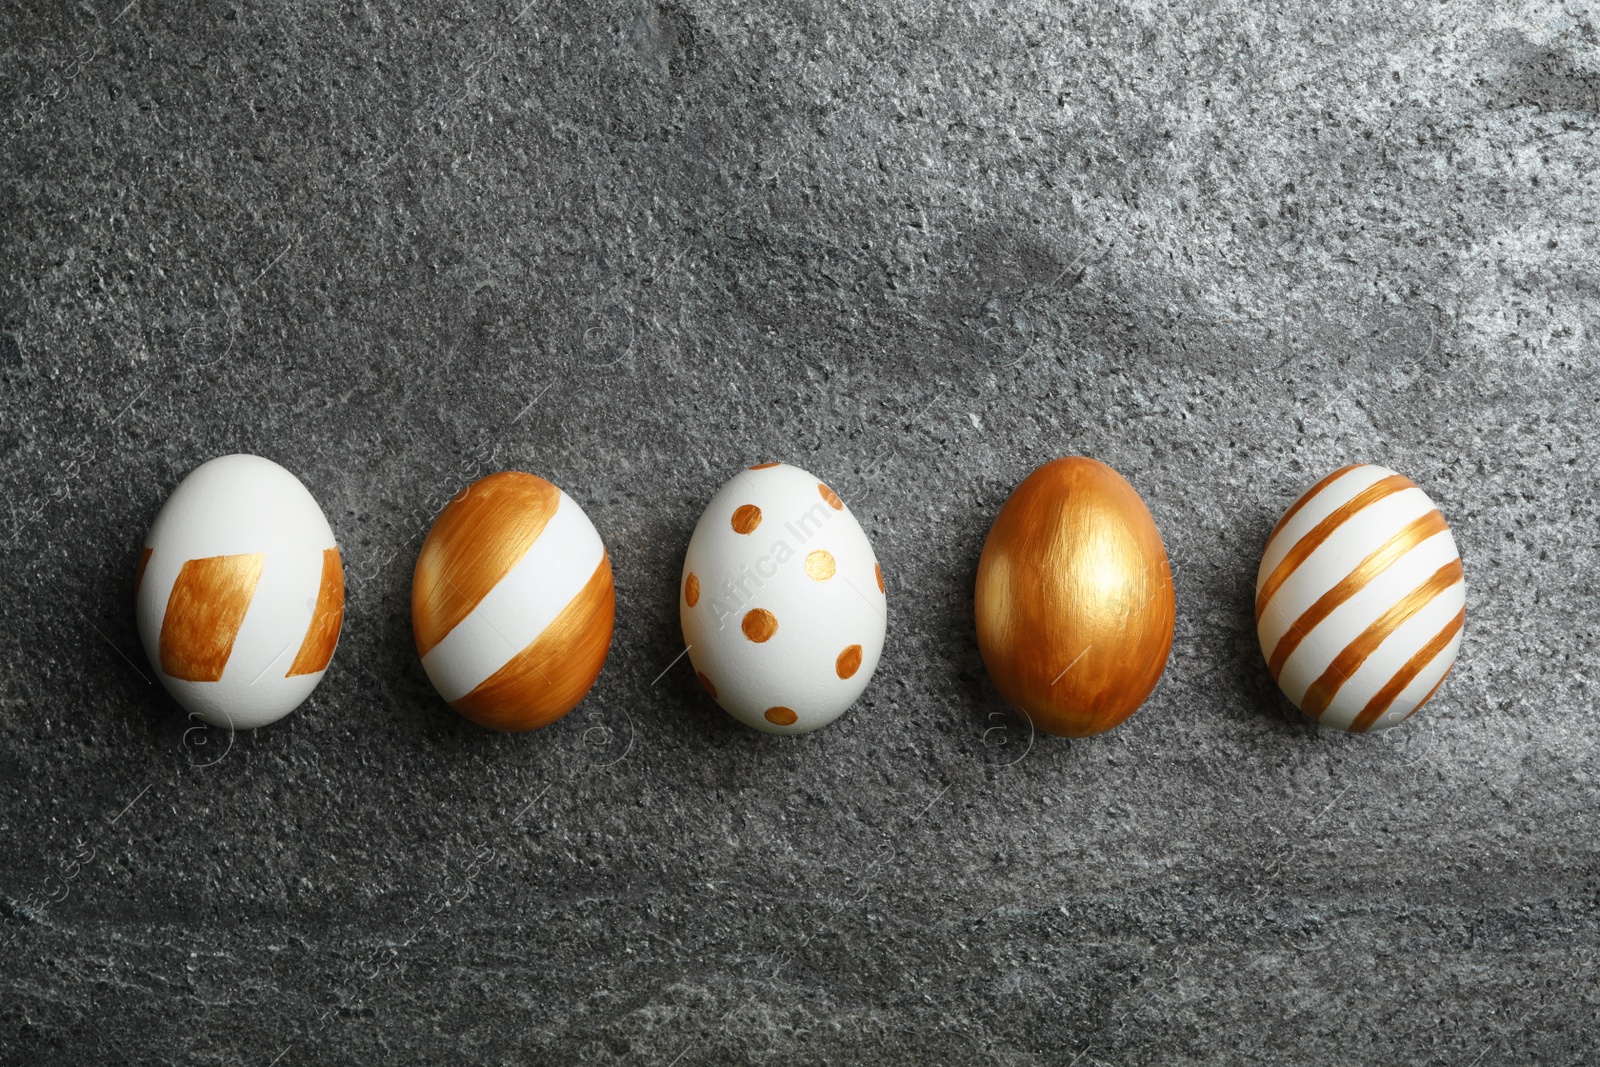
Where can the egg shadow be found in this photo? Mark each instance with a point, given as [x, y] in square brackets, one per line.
[1236, 654]
[984, 715]
[163, 720]
[693, 715]
[383, 601]
[678, 716]
[1256, 686]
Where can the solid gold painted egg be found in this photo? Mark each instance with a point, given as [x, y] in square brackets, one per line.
[1074, 599]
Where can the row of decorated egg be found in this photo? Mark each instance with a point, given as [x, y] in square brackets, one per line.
[1359, 603]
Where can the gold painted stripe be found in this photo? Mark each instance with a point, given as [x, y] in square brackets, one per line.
[322, 636]
[1404, 676]
[1409, 537]
[1308, 496]
[479, 536]
[144, 561]
[204, 611]
[548, 678]
[1346, 663]
[1322, 531]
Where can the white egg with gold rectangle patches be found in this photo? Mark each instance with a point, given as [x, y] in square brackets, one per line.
[240, 592]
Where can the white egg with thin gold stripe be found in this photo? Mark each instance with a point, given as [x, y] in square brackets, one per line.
[1360, 599]
[512, 602]
[240, 592]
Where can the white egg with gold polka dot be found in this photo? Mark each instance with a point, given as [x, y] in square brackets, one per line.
[782, 601]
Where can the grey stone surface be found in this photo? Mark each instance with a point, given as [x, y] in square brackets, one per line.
[917, 248]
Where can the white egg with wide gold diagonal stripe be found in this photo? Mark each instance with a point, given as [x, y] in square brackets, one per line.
[1360, 599]
[512, 602]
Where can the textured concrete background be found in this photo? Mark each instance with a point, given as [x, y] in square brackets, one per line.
[917, 248]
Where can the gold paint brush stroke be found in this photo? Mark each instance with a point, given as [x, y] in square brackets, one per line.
[548, 678]
[1346, 663]
[144, 561]
[322, 636]
[1323, 530]
[204, 612]
[479, 536]
[848, 662]
[1414, 666]
[1409, 537]
[1307, 497]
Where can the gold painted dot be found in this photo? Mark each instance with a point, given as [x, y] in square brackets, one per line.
[691, 589]
[706, 683]
[819, 565]
[762, 466]
[746, 519]
[759, 624]
[782, 716]
[849, 661]
[879, 571]
[831, 497]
